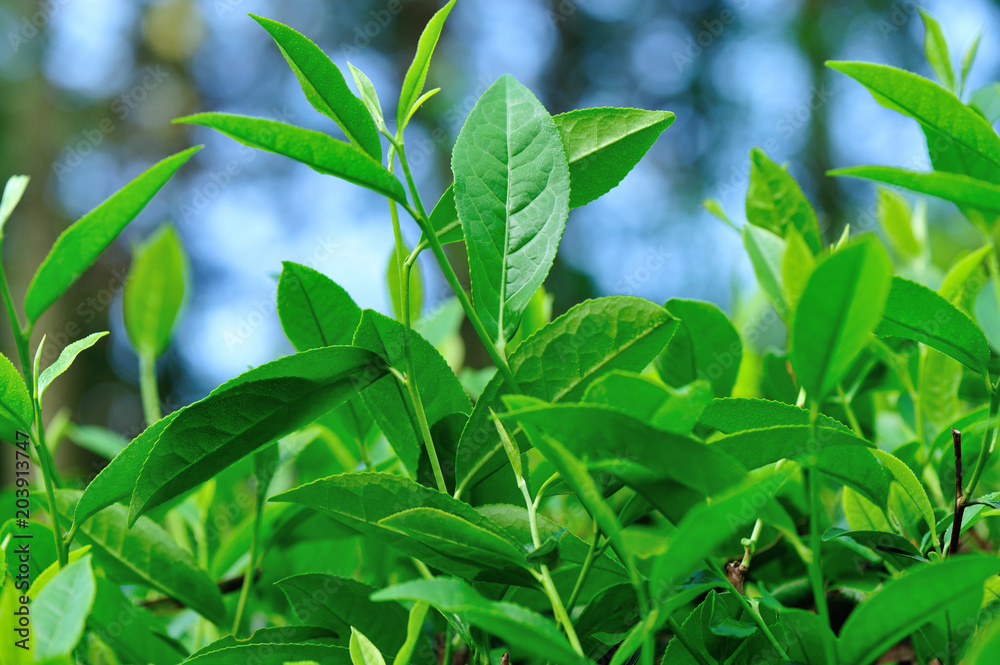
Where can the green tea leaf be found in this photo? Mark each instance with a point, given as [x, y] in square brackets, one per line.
[416, 295]
[324, 86]
[143, 642]
[640, 454]
[834, 321]
[60, 610]
[515, 521]
[757, 447]
[78, 247]
[519, 627]
[263, 638]
[363, 652]
[15, 402]
[319, 151]
[736, 414]
[314, 310]
[457, 538]
[911, 487]
[894, 220]
[767, 251]
[599, 156]
[369, 97]
[560, 361]
[389, 401]
[954, 283]
[512, 194]
[154, 292]
[116, 481]
[413, 82]
[12, 193]
[413, 629]
[65, 359]
[914, 312]
[145, 554]
[670, 409]
[247, 413]
[280, 650]
[704, 347]
[101, 441]
[775, 202]
[962, 190]
[938, 110]
[444, 218]
[907, 603]
[967, 60]
[604, 144]
[362, 500]
[796, 266]
[339, 603]
[936, 51]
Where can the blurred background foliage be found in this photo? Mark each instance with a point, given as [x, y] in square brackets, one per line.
[89, 88]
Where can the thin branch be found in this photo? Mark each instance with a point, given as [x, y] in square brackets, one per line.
[230, 585]
[956, 525]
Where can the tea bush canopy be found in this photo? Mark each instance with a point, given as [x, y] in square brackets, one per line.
[618, 480]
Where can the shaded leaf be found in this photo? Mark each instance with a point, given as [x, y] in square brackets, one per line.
[314, 310]
[905, 604]
[519, 627]
[704, 347]
[247, 413]
[146, 554]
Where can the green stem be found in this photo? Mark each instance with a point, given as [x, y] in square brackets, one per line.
[405, 265]
[985, 449]
[585, 568]
[749, 609]
[148, 389]
[446, 660]
[248, 575]
[544, 575]
[22, 335]
[816, 540]
[851, 418]
[420, 216]
[751, 545]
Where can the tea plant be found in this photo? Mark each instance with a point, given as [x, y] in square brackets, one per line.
[629, 480]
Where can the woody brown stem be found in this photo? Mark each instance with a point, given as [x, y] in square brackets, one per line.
[956, 525]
